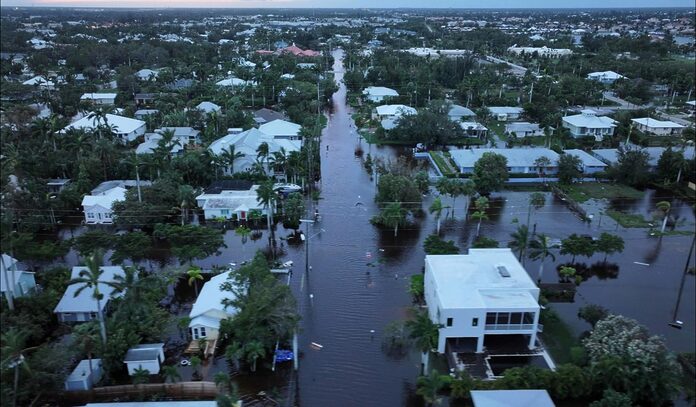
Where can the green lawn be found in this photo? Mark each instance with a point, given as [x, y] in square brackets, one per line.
[498, 128]
[583, 192]
[557, 336]
[629, 220]
[445, 167]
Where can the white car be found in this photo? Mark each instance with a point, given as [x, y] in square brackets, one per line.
[287, 188]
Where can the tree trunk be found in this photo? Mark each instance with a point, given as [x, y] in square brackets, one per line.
[253, 365]
[425, 359]
[454, 201]
[664, 223]
[16, 383]
[438, 225]
[9, 293]
[541, 271]
[102, 326]
[137, 182]
[478, 228]
[396, 229]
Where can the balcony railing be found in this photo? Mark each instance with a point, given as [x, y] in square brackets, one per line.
[509, 327]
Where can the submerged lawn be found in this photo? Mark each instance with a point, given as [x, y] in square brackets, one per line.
[583, 192]
[558, 338]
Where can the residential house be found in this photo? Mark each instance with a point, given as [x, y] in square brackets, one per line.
[147, 74]
[83, 307]
[473, 129]
[505, 113]
[180, 84]
[234, 83]
[690, 105]
[587, 123]
[389, 115]
[460, 113]
[610, 156]
[208, 310]
[41, 82]
[605, 77]
[23, 282]
[287, 76]
[657, 127]
[590, 164]
[483, 293]
[99, 98]
[519, 160]
[98, 208]
[145, 356]
[208, 107]
[511, 398]
[125, 128]
[231, 204]
[247, 143]
[265, 115]
[377, 94]
[86, 374]
[183, 136]
[540, 51]
[298, 52]
[523, 129]
[142, 114]
[145, 99]
[282, 130]
[57, 185]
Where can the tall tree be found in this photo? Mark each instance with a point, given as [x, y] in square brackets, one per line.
[569, 168]
[392, 216]
[540, 249]
[267, 196]
[436, 208]
[490, 173]
[520, 241]
[424, 333]
[133, 160]
[609, 244]
[664, 207]
[481, 206]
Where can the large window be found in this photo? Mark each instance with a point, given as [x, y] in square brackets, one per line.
[509, 320]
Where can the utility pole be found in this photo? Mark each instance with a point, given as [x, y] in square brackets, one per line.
[675, 322]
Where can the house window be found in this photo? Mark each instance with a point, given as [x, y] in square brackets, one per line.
[203, 332]
[490, 318]
[528, 318]
[503, 318]
[224, 211]
[450, 321]
[90, 216]
[93, 315]
[474, 322]
[516, 318]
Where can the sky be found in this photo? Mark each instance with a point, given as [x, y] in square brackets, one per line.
[353, 3]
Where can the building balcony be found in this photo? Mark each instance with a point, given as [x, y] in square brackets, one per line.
[509, 327]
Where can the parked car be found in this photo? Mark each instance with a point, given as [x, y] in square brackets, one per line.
[287, 188]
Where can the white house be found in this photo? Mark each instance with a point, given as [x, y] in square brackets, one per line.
[519, 160]
[23, 282]
[145, 356]
[83, 307]
[147, 74]
[125, 128]
[282, 129]
[99, 98]
[523, 129]
[230, 203]
[234, 83]
[606, 77]
[389, 115]
[486, 292]
[98, 208]
[505, 113]
[208, 310]
[83, 377]
[378, 94]
[143, 113]
[511, 398]
[41, 82]
[208, 107]
[590, 164]
[473, 129]
[246, 143]
[587, 123]
[457, 113]
[540, 51]
[658, 127]
[183, 136]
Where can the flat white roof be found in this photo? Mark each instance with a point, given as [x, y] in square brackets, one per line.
[392, 110]
[516, 157]
[81, 371]
[511, 398]
[657, 124]
[475, 280]
[97, 96]
[505, 110]
[587, 160]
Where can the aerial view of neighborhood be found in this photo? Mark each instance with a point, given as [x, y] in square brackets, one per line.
[300, 207]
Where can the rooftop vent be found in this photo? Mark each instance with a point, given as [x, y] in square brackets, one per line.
[503, 271]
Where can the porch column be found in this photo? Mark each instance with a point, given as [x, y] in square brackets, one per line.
[479, 344]
[532, 337]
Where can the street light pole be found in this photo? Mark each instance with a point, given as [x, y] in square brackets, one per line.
[675, 322]
[306, 242]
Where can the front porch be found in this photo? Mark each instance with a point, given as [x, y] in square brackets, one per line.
[194, 347]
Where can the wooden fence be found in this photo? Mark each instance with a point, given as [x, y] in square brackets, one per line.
[170, 391]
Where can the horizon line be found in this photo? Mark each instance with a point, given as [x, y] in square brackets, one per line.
[335, 8]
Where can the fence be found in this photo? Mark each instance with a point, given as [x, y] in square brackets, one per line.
[171, 391]
[571, 203]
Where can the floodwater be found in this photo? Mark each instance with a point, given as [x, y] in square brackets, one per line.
[359, 275]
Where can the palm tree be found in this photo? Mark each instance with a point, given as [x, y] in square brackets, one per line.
[279, 160]
[104, 149]
[437, 208]
[234, 353]
[540, 248]
[187, 198]
[536, 201]
[664, 207]
[229, 156]
[262, 152]
[194, 274]
[429, 386]
[520, 239]
[424, 333]
[253, 351]
[195, 364]
[222, 380]
[393, 215]
[86, 335]
[133, 160]
[267, 196]
[12, 350]
[171, 374]
[243, 232]
[481, 206]
[127, 283]
[166, 144]
[91, 278]
[79, 142]
[140, 376]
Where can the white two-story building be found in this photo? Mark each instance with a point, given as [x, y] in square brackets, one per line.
[483, 293]
[587, 123]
